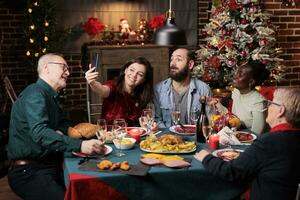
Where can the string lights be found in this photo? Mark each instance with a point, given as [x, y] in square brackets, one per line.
[39, 29]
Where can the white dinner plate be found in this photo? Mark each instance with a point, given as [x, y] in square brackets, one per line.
[219, 153]
[83, 155]
[188, 129]
[143, 130]
[245, 137]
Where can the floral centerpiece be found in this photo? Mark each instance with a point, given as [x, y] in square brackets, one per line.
[93, 27]
[237, 31]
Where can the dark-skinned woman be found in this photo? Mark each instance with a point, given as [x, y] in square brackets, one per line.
[248, 104]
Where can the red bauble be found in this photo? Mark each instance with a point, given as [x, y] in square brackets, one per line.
[244, 21]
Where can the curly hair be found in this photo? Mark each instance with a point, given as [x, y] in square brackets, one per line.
[258, 71]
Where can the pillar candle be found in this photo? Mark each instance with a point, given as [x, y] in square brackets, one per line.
[136, 135]
[213, 142]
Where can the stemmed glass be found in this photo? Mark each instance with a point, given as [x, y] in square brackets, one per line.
[175, 114]
[148, 119]
[194, 114]
[120, 130]
[101, 129]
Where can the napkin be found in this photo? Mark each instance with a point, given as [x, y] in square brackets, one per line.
[227, 137]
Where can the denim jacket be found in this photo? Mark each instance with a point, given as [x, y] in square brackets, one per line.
[163, 99]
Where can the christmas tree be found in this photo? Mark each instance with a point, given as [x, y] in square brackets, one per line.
[238, 31]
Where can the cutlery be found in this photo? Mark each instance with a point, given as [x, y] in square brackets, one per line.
[83, 160]
[182, 126]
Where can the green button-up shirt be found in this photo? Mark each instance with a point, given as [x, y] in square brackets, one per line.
[35, 117]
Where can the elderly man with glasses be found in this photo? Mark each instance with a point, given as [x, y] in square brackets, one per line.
[38, 135]
[272, 161]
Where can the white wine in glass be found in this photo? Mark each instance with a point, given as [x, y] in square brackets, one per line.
[120, 134]
[101, 129]
[175, 117]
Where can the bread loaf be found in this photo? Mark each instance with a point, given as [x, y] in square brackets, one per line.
[81, 130]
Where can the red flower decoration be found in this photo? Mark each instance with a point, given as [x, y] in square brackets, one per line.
[93, 26]
[157, 21]
[215, 62]
[233, 5]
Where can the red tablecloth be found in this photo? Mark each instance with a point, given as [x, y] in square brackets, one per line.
[83, 187]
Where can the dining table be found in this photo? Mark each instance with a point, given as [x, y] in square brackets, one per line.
[158, 182]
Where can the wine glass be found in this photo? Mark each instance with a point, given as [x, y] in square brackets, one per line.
[101, 129]
[207, 131]
[194, 114]
[147, 118]
[175, 114]
[120, 131]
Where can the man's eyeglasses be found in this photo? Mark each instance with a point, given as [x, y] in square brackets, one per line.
[272, 102]
[65, 66]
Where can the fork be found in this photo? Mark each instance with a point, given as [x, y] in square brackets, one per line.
[182, 126]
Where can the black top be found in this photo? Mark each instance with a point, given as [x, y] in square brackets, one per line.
[272, 163]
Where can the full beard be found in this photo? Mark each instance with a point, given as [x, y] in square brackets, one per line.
[180, 75]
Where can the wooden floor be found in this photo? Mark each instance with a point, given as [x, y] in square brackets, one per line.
[5, 191]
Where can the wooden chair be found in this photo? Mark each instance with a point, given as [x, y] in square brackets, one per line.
[93, 109]
[9, 89]
[298, 193]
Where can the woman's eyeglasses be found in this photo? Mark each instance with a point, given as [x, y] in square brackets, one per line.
[65, 66]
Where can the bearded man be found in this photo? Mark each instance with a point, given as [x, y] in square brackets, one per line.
[179, 90]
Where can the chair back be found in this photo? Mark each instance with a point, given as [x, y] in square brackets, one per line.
[298, 193]
[93, 109]
[9, 89]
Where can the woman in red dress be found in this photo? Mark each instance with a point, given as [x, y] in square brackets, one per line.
[129, 94]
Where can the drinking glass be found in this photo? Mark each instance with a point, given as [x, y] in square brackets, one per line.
[207, 131]
[101, 129]
[194, 114]
[120, 130]
[148, 119]
[175, 114]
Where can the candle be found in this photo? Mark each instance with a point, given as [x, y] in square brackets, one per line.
[136, 134]
[213, 142]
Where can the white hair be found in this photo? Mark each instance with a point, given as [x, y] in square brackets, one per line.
[43, 60]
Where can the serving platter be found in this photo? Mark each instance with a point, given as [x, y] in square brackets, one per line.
[83, 155]
[168, 152]
[187, 130]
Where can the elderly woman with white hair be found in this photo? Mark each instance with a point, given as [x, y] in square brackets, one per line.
[272, 162]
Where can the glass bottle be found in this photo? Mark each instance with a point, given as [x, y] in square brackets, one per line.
[202, 127]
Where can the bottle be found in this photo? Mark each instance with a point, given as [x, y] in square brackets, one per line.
[202, 127]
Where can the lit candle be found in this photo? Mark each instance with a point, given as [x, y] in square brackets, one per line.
[136, 134]
[213, 142]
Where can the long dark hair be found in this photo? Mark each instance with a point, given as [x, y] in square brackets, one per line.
[143, 91]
